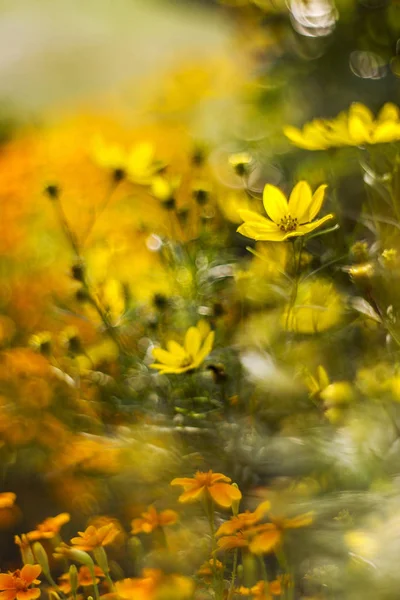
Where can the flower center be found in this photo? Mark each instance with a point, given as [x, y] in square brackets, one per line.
[288, 223]
[186, 361]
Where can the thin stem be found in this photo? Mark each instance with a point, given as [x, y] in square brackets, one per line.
[234, 569]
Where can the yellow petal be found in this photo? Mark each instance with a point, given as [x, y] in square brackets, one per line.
[176, 349]
[205, 350]
[322, 377]
[275, 203]
[166, 357]
[204, 328]
[300, 201]
[192, 341]
[389, 112]
[308, 227]
[317, 201]
[250, 215]
[262, 232]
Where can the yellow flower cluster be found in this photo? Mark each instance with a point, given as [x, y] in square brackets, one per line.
[356, 127]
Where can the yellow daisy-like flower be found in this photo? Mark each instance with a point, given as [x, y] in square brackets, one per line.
[353, 128]
[179, 359]
[286, 219]
[216, 486]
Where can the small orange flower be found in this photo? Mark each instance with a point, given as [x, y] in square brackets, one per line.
[216, 485]
[151, 519]
[94, 537]
[207, 569]
[16, 585]
[7, 499]
[49, 528]
[84, 579]
[244, 520]
[262, 590]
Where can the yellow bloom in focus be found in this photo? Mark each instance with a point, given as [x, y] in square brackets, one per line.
[214, 485]
[151, 519]
[287, 219]
[179, 359]
[354, 128]
[155, 585]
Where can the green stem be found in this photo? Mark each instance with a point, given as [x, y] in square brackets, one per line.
[296, 264]
[234, 569]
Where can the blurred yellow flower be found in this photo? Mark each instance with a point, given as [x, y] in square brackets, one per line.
[94, 537]
[155, 585]
[7, 499]
[151, 519]
[49, 528]
[179, 359]
[261, 590]
[214, 485]
[318, 307]
[85, 578]
[287, 219]
[354, 128]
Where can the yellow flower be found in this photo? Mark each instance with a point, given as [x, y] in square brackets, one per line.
[94, 537]
[261, 590]
[155, 585]
[287, 219]
[319, 306]
[179, 359]
[49, 528]
[138, 163]
[355, 128]
[216, 485]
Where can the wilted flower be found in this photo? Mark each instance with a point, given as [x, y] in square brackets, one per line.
[287, 219]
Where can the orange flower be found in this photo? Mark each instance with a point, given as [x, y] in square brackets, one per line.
[244, 520]
[238, 530]
[84, 579]
[7, 499]
[262, 590]
[49, 528]
[207, 569]
[215, 485]
[230, 542]
[151, 519]
[155, 585]
[16, 585]
[268, 536]
[94, 537]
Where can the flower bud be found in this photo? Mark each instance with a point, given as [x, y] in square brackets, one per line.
[41, 557]
[73, 579]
